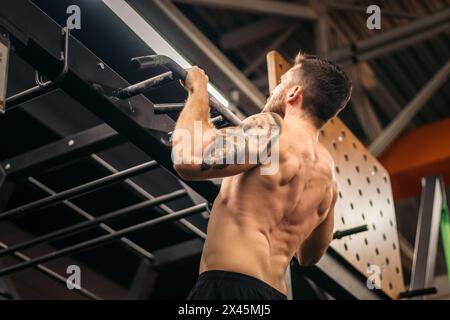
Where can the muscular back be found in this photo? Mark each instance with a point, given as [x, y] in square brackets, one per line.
[259, 222]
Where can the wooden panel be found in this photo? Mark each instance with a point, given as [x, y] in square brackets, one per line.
[365, 197]
[276, 67]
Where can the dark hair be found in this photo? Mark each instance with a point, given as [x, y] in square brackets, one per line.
[326, 87]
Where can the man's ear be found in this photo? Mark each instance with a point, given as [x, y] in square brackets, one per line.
[295, 95]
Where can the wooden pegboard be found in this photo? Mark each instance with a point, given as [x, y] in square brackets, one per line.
[365, 197]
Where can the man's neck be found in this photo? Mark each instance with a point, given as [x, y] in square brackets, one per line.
[298, 120]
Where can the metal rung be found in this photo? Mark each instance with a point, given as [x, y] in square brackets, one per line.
[145, 85]
[127, 242]
[79, 190]
[80, 247]
[52, 274]
[418, 292]
[165, 108]
[83, 226]
[180, 73]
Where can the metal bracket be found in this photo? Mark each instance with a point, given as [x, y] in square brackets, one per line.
[43, 86]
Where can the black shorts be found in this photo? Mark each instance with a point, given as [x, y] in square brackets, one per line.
[225, 285]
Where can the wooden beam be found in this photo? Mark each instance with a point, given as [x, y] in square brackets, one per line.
[200, 42]
[404, 118]
[362, 107]
[378, 92]
[322, 35]
[363, 10]
[418, 153]
[277, 42]
[258, 6]
[252, 32]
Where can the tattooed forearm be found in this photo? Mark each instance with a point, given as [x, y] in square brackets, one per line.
[214, 157]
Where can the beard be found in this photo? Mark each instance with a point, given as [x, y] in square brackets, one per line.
[276, 103]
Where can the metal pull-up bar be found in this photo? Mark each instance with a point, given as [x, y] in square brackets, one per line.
[153, 61]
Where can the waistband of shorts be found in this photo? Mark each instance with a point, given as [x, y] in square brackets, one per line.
[229, 275]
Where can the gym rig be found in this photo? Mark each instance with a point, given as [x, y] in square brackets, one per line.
[364, 228]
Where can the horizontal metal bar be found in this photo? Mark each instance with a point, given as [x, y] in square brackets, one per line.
[145, 85]
[79, 190]
[166, 108]
[418, 292]
[155, 60]
[164, 61]
[188, 225]
[86, 225]
[127, 242]
[80, 247]
[344, 233]
[217, 119]
[26, 95]
[52, 274]
[165, 16]
[67, 149]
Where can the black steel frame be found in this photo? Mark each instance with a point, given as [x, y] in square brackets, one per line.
[92, 243]
[6, 188]
[70, 148]
[427, 237]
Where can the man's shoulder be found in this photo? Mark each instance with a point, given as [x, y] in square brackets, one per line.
[271, 118]
[327, 161]
[324, 153]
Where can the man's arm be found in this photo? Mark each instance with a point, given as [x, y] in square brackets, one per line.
[200, 151]
[315, 246]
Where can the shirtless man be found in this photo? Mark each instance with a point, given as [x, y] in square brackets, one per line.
[259, 222]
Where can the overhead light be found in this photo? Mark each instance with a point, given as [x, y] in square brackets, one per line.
[154, 39]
